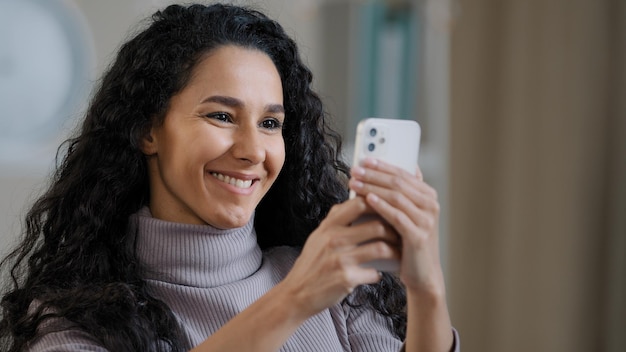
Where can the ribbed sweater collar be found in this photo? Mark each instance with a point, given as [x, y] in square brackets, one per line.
[195, 255]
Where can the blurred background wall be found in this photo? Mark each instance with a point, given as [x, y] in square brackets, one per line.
[538, 178]
[523, 109]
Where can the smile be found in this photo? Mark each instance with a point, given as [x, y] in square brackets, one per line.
[232, 181]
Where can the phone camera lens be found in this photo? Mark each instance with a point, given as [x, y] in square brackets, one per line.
[373, 132]
[371, 147]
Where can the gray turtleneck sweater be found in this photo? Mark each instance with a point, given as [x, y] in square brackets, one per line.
[207, 276]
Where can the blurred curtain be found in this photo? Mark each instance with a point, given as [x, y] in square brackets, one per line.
[537, 236]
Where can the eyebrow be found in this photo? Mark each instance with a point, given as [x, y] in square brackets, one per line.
[236, 103]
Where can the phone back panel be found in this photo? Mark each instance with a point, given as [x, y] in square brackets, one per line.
[393, 141]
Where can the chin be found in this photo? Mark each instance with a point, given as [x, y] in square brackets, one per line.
[231, 221]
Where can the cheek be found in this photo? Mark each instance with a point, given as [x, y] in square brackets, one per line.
[202, 144]
[278, 156]
[185, 157]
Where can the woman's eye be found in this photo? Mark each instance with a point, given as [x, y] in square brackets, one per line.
[220, 116]
[271, 124]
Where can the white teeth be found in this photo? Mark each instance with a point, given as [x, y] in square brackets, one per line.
[232, 181]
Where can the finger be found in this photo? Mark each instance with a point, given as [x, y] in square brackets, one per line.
[372, 229]
[406, 199]
[418, 174]
[373, 181]
[385, 167]
[395, 201]
[347, 212]
[373, 169]
[396, 218]
[383, 180]
[390, 178]
[370, 251]
[361, 275]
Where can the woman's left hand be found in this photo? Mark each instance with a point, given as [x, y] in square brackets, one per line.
[410, 205]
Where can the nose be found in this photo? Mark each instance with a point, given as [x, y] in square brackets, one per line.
[248, 145]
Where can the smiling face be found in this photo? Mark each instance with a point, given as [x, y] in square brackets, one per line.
[220, 147]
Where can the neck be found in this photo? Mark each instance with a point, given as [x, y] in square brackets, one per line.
[195, 255]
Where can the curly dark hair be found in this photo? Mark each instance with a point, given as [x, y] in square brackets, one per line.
[77, 259]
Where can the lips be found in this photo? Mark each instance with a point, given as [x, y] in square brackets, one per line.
[239, 183]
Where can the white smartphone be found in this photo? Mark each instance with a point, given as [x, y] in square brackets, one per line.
[393, 141]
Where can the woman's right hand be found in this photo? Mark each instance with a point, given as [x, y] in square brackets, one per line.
[327, 270]
[330, 265]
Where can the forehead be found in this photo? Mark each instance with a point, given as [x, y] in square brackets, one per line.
[229, 60]
[246, 74]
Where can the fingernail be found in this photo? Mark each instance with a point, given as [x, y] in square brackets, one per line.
[373, 198]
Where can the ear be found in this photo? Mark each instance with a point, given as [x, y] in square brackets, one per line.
[149, 142]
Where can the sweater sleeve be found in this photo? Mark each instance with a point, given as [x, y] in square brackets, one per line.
[71, 340]
[60, 335]
[368, 330]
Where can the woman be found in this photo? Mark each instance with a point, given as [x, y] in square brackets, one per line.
[203, 205]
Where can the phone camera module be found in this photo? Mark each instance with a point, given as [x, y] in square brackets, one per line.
[373, 132]
[371, 147]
